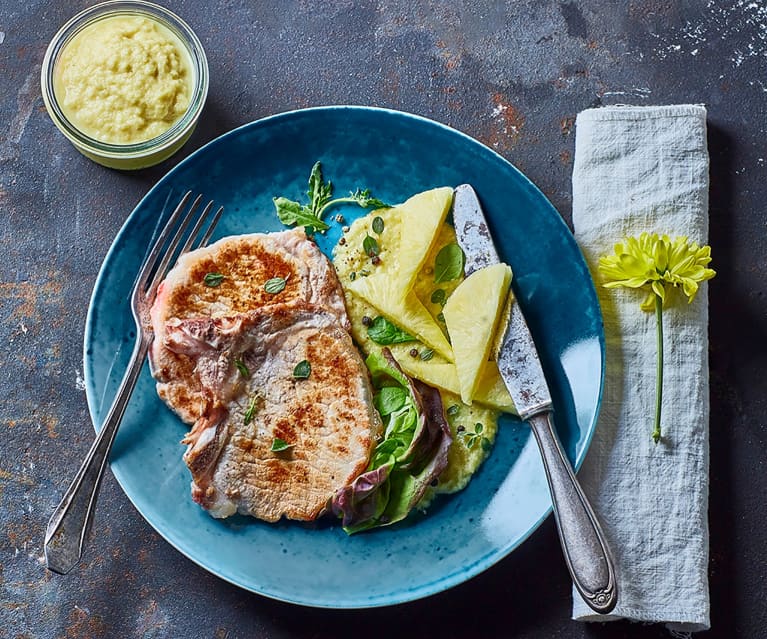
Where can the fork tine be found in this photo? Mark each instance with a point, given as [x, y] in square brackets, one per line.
[196, 229]
[168, 253]
[211, 226]
[154, 254]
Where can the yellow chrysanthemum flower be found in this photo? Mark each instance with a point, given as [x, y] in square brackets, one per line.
[656, 262]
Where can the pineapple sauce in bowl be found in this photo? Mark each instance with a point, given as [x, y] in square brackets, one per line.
[125, 81]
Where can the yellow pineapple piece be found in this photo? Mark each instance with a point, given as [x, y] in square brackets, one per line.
[491, 391]
[424, 286]
[406, 312]
[410, 231]
[422, 217]
[472, 314]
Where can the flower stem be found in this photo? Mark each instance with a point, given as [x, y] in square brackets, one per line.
[659, 372]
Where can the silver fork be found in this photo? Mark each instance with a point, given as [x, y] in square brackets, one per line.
[68, 527]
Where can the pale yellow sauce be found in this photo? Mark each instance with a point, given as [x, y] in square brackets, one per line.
[124, 80]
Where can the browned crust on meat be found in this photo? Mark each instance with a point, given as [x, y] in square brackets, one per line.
[327, 419]
[246, 262]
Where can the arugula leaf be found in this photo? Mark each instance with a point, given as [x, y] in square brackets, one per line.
[319, 191]
[407, 461]
[320, 195]
[383, 332]
[291, 213]
[367, 201]
[448, 264]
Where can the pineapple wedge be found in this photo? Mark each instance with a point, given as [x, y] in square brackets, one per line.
[422, 217]
[410, 231]
[472, 314]
[491, 390]
[406, 312]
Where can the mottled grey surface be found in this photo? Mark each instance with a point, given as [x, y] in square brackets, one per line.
[512, 74]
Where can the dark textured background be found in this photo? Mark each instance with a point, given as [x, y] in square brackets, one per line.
[512, 74]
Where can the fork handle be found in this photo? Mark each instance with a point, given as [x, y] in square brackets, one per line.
[69, 525]
[586, 551]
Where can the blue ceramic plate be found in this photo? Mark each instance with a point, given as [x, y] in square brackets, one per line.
[395, 155]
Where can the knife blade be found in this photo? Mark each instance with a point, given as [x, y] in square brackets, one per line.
[586, 552]
[517, 357]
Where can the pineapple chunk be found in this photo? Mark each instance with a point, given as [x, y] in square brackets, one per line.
[406, 312]
[491, 391]
[422, 217]
[472, 325]
[410, 231]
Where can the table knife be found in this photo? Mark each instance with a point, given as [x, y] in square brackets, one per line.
[586, 551]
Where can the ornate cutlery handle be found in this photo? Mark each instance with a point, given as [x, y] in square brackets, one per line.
[70, 522]
[586, 552]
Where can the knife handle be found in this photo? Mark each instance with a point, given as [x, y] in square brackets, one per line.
[586, 551]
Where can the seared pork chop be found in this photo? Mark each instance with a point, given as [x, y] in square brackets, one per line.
[255, 398]
[246, 263]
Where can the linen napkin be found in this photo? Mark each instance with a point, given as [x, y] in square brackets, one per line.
[646, 169]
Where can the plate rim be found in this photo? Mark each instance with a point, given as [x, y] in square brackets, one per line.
[482, 564]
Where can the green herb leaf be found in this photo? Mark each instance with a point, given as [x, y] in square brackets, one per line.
[370, 246]
[439, 297]
[275, 285]
[213, 279]
[448, 264]
[302, 370]
[250, 413]
[486, 445]
[390, 399]
[241, 366]
[279, 445]
[383, 332]
[427, 354]
[453, 410]
[441, 317]
[378, 225]
[319, 191]
[291, 213]
[478, 428]
[321, 199]
[367, 201]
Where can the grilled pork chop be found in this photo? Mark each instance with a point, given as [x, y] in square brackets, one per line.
[246, 263]
[245, 367]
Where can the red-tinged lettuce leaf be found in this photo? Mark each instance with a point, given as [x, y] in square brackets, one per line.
[411, 456]
[363, 501]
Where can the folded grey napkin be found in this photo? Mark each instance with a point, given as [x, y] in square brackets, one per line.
[645, 169]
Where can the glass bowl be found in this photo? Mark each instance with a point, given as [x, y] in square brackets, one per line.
[139, 154]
